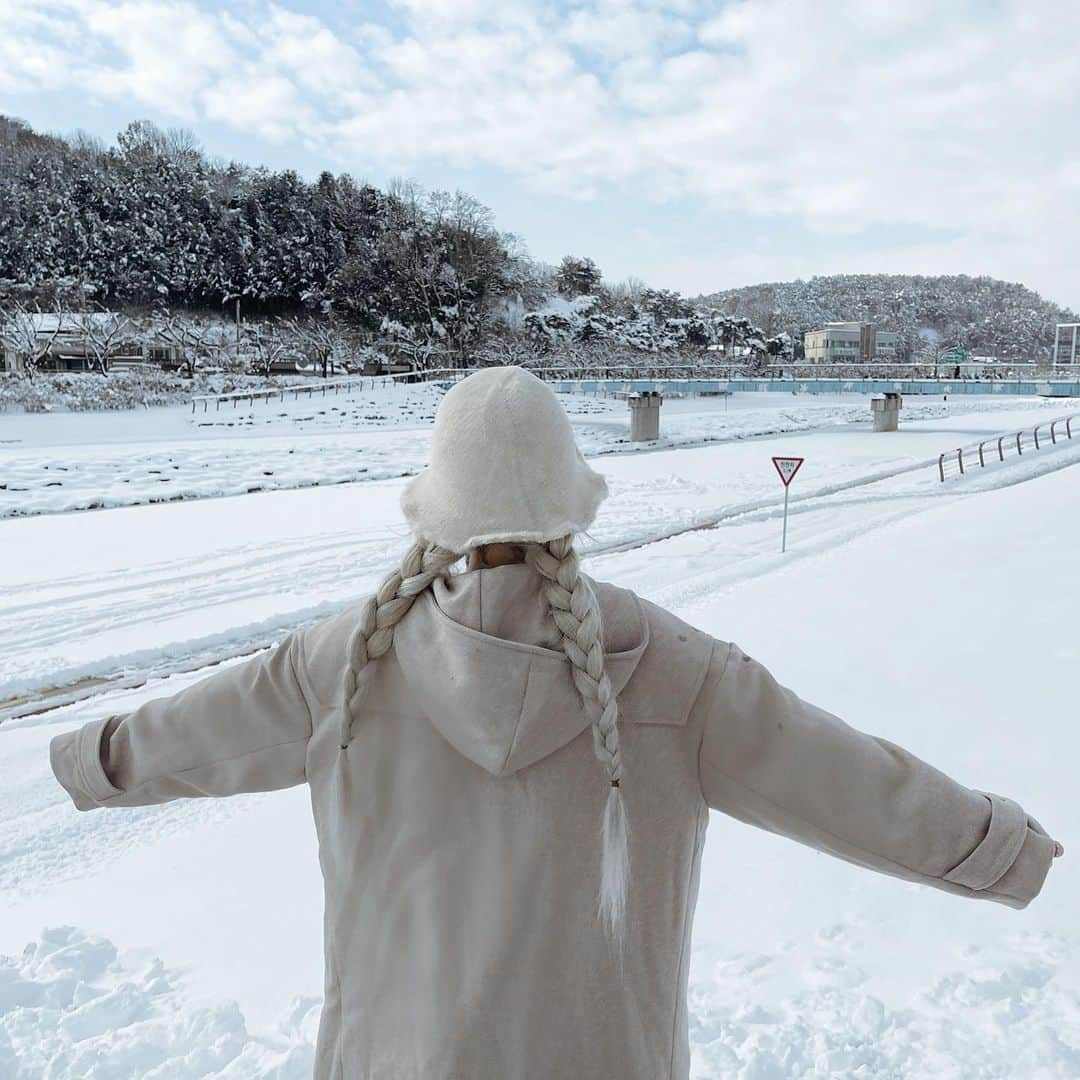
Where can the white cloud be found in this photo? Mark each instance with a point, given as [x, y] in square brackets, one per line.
[37, 47]
[159, 54]
[844, 116]
[319, 61]
[621, 31]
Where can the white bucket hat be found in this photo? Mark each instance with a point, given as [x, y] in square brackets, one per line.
[504, 467]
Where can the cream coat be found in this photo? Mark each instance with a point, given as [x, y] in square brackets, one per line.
[458, 833]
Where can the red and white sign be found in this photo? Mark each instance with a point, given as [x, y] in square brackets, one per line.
[787, 467]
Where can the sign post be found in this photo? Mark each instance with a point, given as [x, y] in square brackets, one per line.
[787, 467]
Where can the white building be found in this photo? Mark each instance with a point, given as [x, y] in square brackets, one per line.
[850, 343]
[1066, 343]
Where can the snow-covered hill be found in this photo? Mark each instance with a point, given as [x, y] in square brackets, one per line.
[985, 315]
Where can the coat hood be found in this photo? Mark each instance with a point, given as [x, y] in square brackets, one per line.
[483, 655]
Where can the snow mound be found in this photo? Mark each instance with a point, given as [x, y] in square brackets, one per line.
[807, 1012]
[73, 1008]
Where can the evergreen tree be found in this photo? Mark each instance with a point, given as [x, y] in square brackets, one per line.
[577, 276]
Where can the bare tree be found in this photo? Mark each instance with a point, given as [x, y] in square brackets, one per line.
[102, 331]
[268, 343]
[447, 268]
[422, 350]
[507, 348]
[31, 332]
[144, 137]
[471, 267]
[628, 292]
[89, 145]
[193, 338]
[319, 337]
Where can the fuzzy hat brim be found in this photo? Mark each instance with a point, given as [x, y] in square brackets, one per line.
[504, 467]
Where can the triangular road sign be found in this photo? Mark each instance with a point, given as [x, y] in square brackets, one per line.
[787, 467]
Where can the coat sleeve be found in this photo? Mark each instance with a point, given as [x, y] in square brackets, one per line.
[245, 728]
[772, 760]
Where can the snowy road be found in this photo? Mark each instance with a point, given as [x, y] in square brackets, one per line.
[803, 966]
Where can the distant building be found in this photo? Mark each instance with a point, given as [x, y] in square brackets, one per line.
[1067, 343]
[850, 343]
[163, 353]
[67, 339]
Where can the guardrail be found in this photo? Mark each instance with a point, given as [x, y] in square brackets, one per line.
[279, 392]
[1009, 440]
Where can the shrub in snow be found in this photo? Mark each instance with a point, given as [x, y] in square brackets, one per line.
[132, 389]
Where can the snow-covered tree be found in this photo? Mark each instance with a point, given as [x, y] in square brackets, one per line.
[196, 339]
[781, 348]
[664, 304]
[321, 338]
[151, 222]
[268, 342]
[29, 331]
[577, 276]
[102, 332]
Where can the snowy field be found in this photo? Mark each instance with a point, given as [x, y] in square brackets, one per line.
[944, 617]
[79, 461]
[116, 597]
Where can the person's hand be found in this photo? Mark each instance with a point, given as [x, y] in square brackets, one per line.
[1059, 849]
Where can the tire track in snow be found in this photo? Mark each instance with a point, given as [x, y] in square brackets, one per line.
[173, 590]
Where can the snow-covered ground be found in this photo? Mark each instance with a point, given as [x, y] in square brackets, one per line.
[941, 616]
[78, 461]
[145, 590]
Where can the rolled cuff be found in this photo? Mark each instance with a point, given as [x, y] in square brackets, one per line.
[1011, 862]
[1023, 881]
[75, 758]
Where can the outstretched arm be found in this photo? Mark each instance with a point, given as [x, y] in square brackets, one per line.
[773, 760]
[244, 729]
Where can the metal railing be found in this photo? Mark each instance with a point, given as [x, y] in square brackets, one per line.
[590, 372]
[696, 376]
[1004, 444]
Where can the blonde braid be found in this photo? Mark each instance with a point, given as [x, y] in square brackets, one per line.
[577, 614]
[374, 634]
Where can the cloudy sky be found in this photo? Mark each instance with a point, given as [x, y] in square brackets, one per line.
[697, 144]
